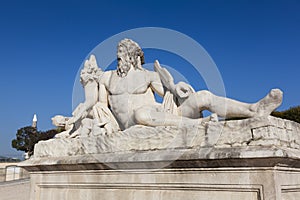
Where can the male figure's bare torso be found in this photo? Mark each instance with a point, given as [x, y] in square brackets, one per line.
[127, 94]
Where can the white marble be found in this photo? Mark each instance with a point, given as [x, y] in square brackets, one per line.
[118, 99]
[253, 132]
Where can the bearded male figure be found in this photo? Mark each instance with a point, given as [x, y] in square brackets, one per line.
[129, 93]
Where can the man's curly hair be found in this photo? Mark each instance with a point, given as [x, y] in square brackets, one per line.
[128, 54]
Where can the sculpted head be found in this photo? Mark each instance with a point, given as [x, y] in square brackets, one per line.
[129, 55]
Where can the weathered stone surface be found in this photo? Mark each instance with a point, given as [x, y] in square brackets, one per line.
[136, 138]
[263, 131]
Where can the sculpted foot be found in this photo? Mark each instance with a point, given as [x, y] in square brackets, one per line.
[268, 104]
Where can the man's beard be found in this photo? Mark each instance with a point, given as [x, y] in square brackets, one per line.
[123, 67]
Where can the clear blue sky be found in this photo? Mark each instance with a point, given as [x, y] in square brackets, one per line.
[255, 44]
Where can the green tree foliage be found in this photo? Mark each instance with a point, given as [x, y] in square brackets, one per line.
[28, 136]
[292, 113]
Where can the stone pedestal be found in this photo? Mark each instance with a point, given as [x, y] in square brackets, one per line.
[256, 183]
[270, 178]
[257, 160]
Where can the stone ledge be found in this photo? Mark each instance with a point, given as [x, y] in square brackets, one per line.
[176, 158]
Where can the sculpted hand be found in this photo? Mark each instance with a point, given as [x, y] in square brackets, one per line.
[183, 90]
[165, 77]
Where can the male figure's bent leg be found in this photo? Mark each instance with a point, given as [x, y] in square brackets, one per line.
[228, 108]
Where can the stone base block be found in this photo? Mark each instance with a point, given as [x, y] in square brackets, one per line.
[231, 183]
[252, 159]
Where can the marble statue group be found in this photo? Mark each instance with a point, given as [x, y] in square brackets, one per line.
[120, 143]
[118, 99]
